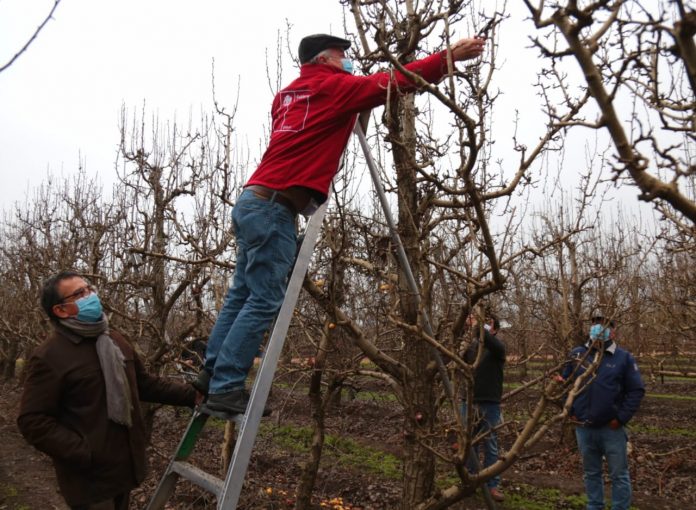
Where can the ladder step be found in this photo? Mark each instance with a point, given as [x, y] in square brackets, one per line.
[204, 480]
[237, 418]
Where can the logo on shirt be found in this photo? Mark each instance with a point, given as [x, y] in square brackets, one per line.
[293, 112]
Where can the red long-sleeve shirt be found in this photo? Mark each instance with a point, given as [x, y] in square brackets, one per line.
[314, 116]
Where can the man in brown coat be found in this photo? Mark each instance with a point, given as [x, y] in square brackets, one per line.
[81, 399]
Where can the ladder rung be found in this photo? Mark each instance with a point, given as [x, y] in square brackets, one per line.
[196, 475]
[237, 418]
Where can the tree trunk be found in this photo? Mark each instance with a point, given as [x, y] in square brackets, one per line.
[419, 463]
[227, 447]
[318, 405]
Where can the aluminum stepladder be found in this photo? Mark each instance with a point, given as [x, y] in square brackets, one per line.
[229, 490]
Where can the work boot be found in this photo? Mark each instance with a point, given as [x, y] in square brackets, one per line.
[496, 494]
[232, 402]
[202, 382]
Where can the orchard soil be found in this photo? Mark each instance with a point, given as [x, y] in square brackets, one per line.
[663, 457]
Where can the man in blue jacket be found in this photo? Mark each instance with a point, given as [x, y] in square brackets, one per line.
[602, 410]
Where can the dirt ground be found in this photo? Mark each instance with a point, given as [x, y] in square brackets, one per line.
[663, 460]
[26, 475]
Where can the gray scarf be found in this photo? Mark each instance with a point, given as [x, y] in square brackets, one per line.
[111, 360]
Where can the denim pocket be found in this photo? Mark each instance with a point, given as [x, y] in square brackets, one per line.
[286, 248]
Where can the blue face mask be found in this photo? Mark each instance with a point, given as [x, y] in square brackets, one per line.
[89, 308]
[347, 65]
[599, 332]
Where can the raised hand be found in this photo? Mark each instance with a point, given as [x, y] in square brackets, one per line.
[466, 49]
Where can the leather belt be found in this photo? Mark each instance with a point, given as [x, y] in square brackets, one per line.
[272, 195]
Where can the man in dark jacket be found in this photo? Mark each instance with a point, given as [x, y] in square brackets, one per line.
[81, 401]
[312, 120]
[488, 389]
[602, 410]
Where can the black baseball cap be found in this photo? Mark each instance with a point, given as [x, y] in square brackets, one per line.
[312, 45]
[598, 317]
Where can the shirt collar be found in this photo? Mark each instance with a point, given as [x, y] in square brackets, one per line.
[611, 348]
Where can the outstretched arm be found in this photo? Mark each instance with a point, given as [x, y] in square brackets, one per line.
[494, 344]
[162, 390]
[354, 94]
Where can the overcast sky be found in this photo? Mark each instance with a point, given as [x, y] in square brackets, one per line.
[60, 101]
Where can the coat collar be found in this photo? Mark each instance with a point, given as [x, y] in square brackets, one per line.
[308, 70]
[611, 348]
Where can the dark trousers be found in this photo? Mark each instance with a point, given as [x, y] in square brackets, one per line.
[119, 502]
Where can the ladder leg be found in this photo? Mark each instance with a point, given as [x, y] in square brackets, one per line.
[167, 483]
[164, 491]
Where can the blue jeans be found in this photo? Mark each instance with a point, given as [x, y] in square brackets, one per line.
[266, 246]
[604, 442]
[489, 415]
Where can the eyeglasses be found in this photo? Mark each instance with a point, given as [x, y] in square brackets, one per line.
[78, 294]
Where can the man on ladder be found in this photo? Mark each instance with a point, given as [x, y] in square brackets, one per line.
[312, 120]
